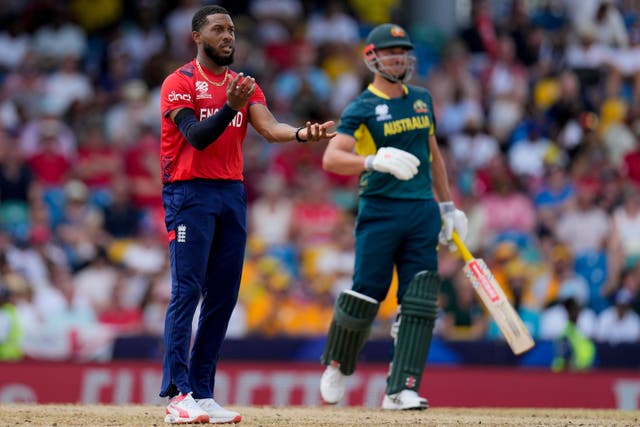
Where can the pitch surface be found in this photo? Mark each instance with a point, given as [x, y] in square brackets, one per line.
[263, 416]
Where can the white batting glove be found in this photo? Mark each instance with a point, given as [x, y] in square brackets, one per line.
[399, 163]
[452, 219]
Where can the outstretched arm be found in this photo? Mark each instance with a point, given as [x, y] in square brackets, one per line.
[273, 131]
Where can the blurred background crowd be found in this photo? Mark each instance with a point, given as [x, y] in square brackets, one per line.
[538, 115]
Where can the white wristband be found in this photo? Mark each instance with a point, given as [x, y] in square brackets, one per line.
[446, 207]
[368, 162]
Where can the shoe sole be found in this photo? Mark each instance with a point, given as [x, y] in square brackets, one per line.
[420, 407]
[410, 408]
[172, 419]
[413, 408]
[331, 401]
[234, 420]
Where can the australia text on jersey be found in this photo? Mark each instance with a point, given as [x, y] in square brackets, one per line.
[406, 124]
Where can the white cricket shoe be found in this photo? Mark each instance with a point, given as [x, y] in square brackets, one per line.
[332, 384]
[217, 414]
[406, 399]
[183, 409]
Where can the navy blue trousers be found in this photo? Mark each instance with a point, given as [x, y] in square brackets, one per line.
[206, 221]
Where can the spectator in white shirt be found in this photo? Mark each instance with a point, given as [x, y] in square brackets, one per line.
[609, 25]
[587, 53]
[526, 156]
[68, 84]
[459, 111]
[332, 25]
[585, 215]
[619, 323]
[553, 320]
[15, 42]
[625, 231]
[473, 148]
[271, 213]
[59, 38]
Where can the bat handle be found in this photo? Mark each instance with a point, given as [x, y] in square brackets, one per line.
[466, 255]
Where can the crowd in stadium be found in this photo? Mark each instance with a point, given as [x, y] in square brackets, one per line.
[538, 115]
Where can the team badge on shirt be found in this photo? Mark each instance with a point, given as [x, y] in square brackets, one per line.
[382, 112]
[420, 106]
[203, 90]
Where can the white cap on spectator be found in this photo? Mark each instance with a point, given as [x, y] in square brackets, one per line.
[76, 191]
[135, 90]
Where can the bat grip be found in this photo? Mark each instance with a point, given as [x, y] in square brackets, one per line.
[466, 255]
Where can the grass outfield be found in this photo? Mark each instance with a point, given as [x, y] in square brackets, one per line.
[133, 416]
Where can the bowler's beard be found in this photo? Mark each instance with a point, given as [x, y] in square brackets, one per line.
[218, 59]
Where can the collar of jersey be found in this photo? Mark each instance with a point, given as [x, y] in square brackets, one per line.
[383, 95]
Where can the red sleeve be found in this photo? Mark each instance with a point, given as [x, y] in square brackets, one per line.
[176, 92]
[258, 97]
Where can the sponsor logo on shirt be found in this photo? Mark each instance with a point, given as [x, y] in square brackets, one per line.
[173, 96]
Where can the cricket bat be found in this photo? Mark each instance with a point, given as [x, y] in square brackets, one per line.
[495, 300]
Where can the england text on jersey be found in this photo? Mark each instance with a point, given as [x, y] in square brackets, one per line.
[236, 121]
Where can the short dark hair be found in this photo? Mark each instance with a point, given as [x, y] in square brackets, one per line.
[200, 17]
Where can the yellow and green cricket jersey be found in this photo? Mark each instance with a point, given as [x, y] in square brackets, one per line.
[376, 120]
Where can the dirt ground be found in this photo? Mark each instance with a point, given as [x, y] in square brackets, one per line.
[103, 415]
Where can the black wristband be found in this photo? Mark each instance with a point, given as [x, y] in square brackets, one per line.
[300, 140]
